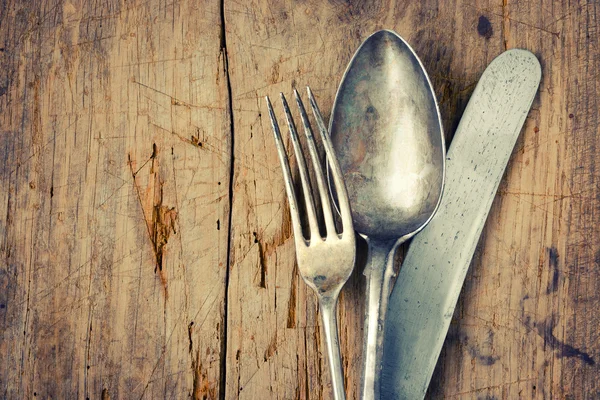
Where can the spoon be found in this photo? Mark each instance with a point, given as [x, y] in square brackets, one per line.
[386, 130]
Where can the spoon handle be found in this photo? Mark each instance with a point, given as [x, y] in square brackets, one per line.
[328, 306]
[379, 273]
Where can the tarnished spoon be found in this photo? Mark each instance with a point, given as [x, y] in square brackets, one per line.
[387, 133]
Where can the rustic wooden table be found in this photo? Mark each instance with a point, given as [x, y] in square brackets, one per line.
[145, 242]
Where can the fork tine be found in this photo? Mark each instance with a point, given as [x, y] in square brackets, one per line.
[336, 171]
[287, 175]
[312, 148]
[308, 200]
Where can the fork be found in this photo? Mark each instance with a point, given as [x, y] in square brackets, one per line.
[325, 263]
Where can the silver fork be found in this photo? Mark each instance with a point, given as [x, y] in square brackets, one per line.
[325, 264]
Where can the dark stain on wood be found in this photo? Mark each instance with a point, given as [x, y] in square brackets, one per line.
[261, 262]
[553, 261]
[154, 151]
[262, 265]
[463, 342]
[482, 358]
[266, 248]
[190, 331]
[545, 330]
[484, 27]
[274, 74]
[487, 397]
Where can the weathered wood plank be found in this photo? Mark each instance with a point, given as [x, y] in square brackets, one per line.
[524, 324]
[115, 157]
[524, 327]
[274, 341]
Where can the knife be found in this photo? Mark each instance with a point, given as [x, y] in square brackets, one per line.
[432, 274]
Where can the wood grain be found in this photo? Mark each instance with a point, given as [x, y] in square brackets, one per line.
[115, 174]
[144, 235]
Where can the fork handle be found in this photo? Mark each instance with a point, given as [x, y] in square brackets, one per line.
[379, 273]
[328, 316]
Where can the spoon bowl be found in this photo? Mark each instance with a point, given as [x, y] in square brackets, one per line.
[387, 132]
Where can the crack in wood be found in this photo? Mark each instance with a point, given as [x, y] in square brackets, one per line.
[291, 315]
[505, 25]
[223, 58]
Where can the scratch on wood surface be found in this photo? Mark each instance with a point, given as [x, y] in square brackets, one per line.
[555, 196]
[306, 373]
[202, 388]
[555, 34]
[88, 346]
[194, 139]
[163, 224]
[262, 266]
[266, 249]
[178, 102]
[317, 341]
[481, 389]
[291, 317]
[505, 25]
[272, 348]
[163, 220]
[196, 386]
[484, 29]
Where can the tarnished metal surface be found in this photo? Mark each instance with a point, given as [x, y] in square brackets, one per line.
[387, 133]
[386, 130]
[325, 263]
[431, 277]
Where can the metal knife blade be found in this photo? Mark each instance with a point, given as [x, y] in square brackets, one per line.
[432, 274]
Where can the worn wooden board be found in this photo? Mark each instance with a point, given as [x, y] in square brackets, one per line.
[130, 129]
[524, 325]
[114, 184]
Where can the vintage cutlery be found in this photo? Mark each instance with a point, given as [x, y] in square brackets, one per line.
[387, 132]
[325, 263]
[432, 274]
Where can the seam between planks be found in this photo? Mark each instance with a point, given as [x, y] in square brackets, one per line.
[224, 325]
